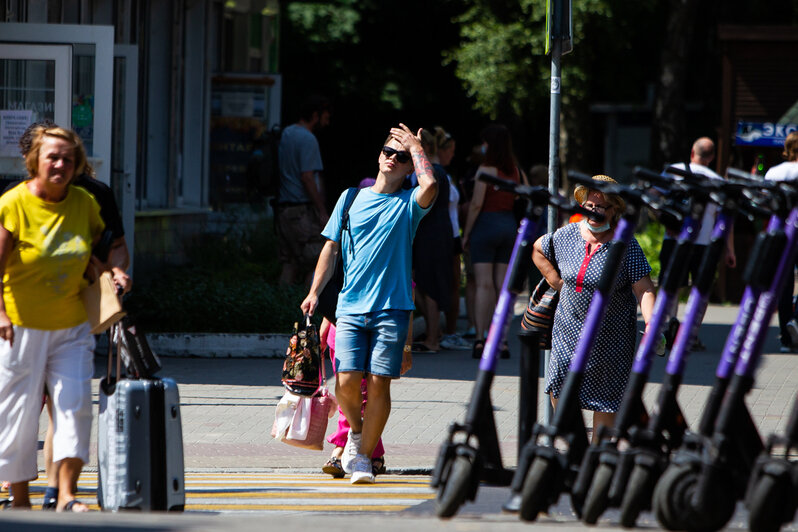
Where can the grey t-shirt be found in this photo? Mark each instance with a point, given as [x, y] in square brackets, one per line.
[298, 152]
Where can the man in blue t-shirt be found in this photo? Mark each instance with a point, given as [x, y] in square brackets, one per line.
[375, 302]
[300, 212]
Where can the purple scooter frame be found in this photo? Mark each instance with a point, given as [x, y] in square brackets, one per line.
[700, 488]
[544, 472]
[475, 457]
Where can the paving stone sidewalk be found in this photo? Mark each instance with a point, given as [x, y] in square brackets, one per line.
[228, 404]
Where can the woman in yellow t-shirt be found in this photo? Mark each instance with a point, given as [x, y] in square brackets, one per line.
[47, 229]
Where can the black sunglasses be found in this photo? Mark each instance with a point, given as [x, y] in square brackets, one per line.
[401, 156]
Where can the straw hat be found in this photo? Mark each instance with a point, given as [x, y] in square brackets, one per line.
[581, 192]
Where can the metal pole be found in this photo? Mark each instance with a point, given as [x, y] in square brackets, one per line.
[554, 171]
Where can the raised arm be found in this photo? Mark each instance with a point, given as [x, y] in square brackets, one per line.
[428, 186]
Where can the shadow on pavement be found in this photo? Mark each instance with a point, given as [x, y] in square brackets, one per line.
[445, 365]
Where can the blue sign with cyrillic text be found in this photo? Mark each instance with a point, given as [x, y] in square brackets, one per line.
[762, 133]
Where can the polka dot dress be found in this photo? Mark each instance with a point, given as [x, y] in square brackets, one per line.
[610, 361]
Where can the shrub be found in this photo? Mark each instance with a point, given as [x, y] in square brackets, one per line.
[230, 285]
[650, 239]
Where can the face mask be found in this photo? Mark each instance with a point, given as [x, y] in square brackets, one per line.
[599, 229]
[483, 149]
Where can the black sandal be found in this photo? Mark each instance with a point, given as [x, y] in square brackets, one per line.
[333, 467]
[479, 346]
[378, 466]
[505, 351]
[70, 506]
[49, 504]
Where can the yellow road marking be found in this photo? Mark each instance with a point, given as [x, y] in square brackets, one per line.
[313, 495]
[319, 508]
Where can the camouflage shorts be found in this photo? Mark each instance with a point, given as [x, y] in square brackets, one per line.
[299, 236]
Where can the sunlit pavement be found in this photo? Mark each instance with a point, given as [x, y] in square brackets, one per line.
[228, 409]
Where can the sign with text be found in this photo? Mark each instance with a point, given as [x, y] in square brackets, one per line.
[13, 124]
[768, 134]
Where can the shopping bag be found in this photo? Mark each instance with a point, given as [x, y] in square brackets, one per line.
[102, 303]
[302, 369]
[134, 349]
[302, 421]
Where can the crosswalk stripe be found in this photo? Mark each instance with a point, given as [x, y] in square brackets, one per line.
[319, 508]
[280, 492]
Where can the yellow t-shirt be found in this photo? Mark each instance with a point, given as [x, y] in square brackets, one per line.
[50, 252]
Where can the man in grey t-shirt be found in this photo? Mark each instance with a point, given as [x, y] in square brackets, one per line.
[300, 212]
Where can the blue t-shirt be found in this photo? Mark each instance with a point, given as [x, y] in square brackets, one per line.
[377, 267]
[298, 153]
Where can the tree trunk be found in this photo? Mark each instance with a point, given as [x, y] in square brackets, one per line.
[669, 124]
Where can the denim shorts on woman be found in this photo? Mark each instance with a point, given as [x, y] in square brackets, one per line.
[372, 343]
[493, 237]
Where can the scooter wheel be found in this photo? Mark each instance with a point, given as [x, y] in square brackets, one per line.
[453, 493]
[637, 496]
[598, 495]
[534, 491]
[766, 504]
[664, 493]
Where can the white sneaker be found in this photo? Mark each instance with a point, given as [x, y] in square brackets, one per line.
[361, 470]
[454, 342]
[350, 450]
[792, 328]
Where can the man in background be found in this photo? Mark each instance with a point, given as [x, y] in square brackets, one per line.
[701, 156]
[300, 211]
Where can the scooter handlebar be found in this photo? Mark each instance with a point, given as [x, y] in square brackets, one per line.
[630, 194]
[539, 195]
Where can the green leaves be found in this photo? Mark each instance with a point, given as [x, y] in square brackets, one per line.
[323, 22]
[501, 62]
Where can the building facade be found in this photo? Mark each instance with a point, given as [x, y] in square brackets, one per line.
[171, 97]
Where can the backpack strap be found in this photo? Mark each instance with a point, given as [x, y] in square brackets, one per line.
[351, 194]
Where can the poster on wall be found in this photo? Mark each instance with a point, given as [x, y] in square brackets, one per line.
[13, 124]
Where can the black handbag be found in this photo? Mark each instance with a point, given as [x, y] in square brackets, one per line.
[134, 350]
[328, 298]
[539, 314]
[302, 368]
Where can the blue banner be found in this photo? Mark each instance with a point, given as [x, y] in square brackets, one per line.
[762, 133]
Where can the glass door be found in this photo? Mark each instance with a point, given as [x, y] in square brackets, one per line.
[35, 84]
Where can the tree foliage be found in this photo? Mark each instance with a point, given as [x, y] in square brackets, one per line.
[501, 60]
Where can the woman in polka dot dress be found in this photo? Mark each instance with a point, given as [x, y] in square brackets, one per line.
[580, 252]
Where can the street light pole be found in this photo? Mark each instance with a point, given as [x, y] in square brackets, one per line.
[554, 171]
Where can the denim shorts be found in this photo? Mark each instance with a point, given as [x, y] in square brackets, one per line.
[493, 237]
[371, 343]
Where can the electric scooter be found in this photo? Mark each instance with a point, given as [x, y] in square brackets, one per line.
[471, 452]
[710, 472]
[544, 472]
[772, 495]
[649, 445]
[607, 464]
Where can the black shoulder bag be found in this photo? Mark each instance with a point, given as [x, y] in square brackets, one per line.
[539, 313]
[328, 299]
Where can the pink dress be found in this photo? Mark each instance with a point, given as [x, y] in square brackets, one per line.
[338, 438]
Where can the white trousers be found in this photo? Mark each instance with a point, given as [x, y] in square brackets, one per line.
[64, 360]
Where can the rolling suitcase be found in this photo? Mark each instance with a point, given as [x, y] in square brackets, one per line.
[140, 442]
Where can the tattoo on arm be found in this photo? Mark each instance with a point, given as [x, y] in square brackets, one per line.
[423, 166]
